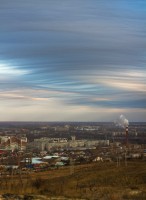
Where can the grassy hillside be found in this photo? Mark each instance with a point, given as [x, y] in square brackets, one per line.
[103, 181]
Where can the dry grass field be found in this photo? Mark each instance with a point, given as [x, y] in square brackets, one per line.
[103, 181]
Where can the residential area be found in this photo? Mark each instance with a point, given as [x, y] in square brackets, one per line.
[38, 147]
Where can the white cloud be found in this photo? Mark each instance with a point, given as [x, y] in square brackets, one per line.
[55, 110]
[8, 70]
[123, 84]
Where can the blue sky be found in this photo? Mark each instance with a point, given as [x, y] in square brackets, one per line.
[63, 60]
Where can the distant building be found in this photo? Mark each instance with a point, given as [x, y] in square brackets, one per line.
[50, 143]
[87, 128]
[61, 129]
[13, 142]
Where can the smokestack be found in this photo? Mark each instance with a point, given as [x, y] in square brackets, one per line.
[123, 122]
[126, 135]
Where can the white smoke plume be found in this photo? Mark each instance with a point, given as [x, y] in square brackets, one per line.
[122, 121]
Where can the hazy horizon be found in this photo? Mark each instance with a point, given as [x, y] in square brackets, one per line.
[72, 60]
[68, 122]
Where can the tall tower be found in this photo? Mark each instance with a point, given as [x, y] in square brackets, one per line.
[126, 133]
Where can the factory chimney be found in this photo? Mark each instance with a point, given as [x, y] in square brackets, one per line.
[123, 122]
[126, 135]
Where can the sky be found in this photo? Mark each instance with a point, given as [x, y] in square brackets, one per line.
[72, 60]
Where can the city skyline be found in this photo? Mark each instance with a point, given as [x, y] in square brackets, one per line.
[72, 60]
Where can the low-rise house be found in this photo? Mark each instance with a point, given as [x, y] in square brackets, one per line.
[97, 159]
[135, 155]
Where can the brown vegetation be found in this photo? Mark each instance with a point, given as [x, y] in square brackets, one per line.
[104, 181]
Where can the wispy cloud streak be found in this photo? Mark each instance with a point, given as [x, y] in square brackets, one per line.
[77, 54]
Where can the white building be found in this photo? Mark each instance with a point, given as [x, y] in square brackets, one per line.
[50, 143]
